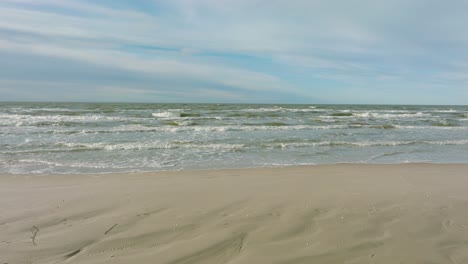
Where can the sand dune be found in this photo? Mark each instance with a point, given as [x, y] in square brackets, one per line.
[415, 213]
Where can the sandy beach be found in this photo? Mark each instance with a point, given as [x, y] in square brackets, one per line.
[413, 213]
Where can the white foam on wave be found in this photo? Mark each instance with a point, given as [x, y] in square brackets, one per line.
[307, 110]
[391, 116]
[150, 145]
[432, 127]
[377, 115]
[30, 166]
[28, 120]
[445, 111]
[45, 109]
[42, 166]
[110, 146]
[447, 142]
[363, 143]
[296, 127]
[394, 111]
[187, 144]
[335, 143]
[187, 126]
[168, 114]
[225, 128]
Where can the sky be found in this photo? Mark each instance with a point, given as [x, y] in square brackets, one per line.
[237, 51]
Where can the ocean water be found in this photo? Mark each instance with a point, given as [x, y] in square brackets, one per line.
[124, 137]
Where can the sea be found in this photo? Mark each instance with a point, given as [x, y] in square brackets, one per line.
[76, 138]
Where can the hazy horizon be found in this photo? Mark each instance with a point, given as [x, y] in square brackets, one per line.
[221, 103]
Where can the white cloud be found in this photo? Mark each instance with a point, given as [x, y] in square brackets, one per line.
[236, 78]
[320, 63]
[356, 42]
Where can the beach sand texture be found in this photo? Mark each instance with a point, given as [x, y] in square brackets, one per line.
[410, 213]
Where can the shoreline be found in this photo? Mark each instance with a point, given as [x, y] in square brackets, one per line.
[355, 213]
[240, 168]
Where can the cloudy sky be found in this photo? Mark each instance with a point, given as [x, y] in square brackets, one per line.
[265, 51]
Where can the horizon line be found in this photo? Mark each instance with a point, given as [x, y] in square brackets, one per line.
[227, 103]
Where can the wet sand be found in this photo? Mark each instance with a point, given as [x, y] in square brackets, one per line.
[413, 213]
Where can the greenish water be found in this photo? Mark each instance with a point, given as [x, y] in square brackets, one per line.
[119, 137]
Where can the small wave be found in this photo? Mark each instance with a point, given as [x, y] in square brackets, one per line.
[444, 124]
[363, 143]
[109, 146]
[342, 114]
[389, 126]
[275, 124]
[216, 146]
[266, 124]
[432, 127]
[150, 145]
[44, 150]
[392, 116]
[253, 114]
[392, 111]
[311, 110]
[57, 120]
[446, 142]
[189, 115]
[166, 114]
[178, 115]
[402, 143]
[41, 166]
[175, 126]
[445, 111]
[284, 127]
[462, 115]
[171, 123]
[272, 109]
[180, 123]
[67, 146]
[382, 155]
